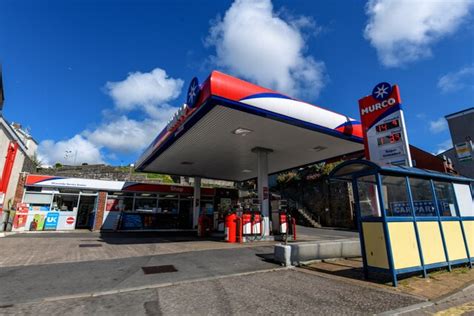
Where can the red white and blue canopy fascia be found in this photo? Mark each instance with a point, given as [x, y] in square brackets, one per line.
[224, 90]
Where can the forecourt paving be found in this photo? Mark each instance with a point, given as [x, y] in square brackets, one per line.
[46, 248]
[276, 292]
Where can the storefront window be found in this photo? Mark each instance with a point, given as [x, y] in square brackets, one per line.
[395, 196]
[368, 198]
[126, 202]
[445, 196]
[65, 202]
[146, 202]
[422, 197]
[168, 206]
[38, 201]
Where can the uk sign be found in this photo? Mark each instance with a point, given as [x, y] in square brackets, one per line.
[383, 126]
[51, 221]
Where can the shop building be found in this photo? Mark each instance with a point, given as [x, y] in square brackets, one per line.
[17, 150]
[461, 155]
[53, 203]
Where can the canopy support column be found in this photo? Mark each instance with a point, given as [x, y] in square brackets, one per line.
[262, 183]
[196, 200]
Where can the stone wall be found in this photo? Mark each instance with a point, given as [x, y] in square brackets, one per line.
[99, 172]
[329, 203]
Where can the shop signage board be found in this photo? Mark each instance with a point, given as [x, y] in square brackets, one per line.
[67, 220]
[21, 217]
[463, 151]
[383, 126]
[51, 222]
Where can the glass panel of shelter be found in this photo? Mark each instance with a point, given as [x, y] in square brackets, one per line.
[368, 196]
[396, 198]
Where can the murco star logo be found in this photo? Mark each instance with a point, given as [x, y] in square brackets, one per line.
[193, 93]
[382, 91]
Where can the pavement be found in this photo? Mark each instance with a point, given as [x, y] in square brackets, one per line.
[207, 277]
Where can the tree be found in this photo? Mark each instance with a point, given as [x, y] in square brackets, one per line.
[36, 161]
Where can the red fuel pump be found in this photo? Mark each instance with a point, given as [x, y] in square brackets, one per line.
[204, 225]
[231, 228]
[257, 224]
[247, 223]
[283, 223]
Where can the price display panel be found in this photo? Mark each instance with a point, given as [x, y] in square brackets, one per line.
[389, 139]
[387, 126]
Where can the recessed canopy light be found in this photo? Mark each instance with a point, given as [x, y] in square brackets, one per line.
[319, 148]
[246, 171]
[242, 131]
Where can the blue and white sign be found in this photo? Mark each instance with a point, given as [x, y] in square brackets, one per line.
[381, 91]
[193, 93]
[51, 221]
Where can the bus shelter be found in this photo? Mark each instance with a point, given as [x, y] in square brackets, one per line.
[409, 219]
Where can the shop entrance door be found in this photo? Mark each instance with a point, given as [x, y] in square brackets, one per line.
[185, 219]
[85, 212]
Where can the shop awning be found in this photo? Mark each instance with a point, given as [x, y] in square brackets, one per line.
[215, 135]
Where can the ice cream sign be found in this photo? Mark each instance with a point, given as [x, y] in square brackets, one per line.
[383, 126]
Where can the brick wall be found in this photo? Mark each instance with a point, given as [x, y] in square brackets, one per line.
[19, 189]
[99, 215]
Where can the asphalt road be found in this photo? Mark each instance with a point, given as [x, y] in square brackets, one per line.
[27, 283]
[279, 292]
[210, 282]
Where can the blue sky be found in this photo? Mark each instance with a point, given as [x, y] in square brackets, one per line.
[100, 78]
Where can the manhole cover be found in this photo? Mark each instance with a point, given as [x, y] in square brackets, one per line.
[89, 245]
[159, 269]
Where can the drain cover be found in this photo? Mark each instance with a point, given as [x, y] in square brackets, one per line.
[89, 245]
[159, 269]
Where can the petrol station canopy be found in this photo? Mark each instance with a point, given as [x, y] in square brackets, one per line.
[226, 120]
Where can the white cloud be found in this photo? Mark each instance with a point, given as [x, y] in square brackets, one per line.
[443, 146]
[253, 42]
[76, 150]
[455, 81]
[403, 31]
[125, 135]
[438, 126]
[148, 93]
[144, 91]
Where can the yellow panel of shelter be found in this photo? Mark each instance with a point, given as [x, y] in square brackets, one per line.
[431, 242]
[454, 241]
[374, 242]
[469, 231]
[404, 247]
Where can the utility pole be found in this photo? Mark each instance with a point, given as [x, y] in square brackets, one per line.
[2, 96]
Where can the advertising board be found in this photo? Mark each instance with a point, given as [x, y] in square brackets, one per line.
[383, 126]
